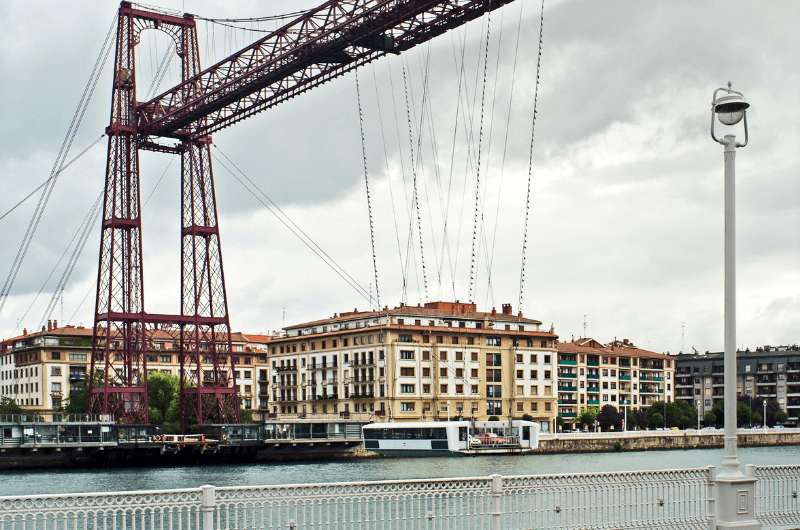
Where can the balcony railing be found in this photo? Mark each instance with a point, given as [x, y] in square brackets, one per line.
[571, 362]
[567, 388]
[568, 375]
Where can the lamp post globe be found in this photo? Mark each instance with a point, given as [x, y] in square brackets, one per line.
[730, 108]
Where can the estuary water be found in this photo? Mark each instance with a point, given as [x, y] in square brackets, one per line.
[105, 480]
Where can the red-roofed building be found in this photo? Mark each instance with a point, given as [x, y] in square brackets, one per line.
[431, 361]
[40, 370]
[592, 374]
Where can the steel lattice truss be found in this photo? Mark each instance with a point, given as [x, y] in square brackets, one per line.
[324, 43]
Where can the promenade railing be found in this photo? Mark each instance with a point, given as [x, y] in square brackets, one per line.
[637, 499]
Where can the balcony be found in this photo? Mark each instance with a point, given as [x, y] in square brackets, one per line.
[593, 377]
[567, 414]
[567, 401]
[592, 363]
[568, 375]
[570, 362]
[593, 390]
[624, 377]
[593, 401]
[567, 388]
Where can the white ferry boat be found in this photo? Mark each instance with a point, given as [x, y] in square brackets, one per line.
[457, 437]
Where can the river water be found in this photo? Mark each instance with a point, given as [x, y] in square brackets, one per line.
[95, 480]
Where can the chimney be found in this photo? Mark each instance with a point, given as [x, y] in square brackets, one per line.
[24, 331]
[507, 309]
[494, 311]
[43, 328]
[55, 324]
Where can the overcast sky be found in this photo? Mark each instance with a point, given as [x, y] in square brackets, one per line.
[626, 218]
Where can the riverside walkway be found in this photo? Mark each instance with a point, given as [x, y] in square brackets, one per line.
[681, 498]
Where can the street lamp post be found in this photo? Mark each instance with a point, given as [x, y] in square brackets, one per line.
[698, 414]
[765, 413]
[730, 109]
[735, 490]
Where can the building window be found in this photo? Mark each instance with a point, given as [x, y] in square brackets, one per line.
[407, 355]
[407, 406]
[493, 341]
[406, 389]
[55, 355]
[407, 371]
[443, 355]
[444, 389]
[55, 371]
[403, 337]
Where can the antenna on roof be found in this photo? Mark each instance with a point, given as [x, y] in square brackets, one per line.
[585, 323]
[283, 311]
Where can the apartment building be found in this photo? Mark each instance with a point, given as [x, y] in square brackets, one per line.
[438, 360]
[592, 374]
[40, 370]
[768, 372]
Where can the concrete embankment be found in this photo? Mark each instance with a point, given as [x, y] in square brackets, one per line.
[606, 442]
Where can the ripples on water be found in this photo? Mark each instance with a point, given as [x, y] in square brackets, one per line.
[74, 481]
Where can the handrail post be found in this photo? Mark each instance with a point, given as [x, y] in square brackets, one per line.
[497, 494]
[208, 504]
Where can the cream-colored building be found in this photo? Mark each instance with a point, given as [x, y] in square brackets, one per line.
[592, 374]
[40, 370]
[443, 359]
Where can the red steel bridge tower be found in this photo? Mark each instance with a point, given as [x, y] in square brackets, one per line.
[323, 43]
[122, 329]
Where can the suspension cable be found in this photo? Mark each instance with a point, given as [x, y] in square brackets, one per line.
[530, 160]
[366, 187]
[51, 177]
[85, 231]
[66, 145]
[386, 162]
[78, 231]
[472, 271]
[261, 196]
[420, 234]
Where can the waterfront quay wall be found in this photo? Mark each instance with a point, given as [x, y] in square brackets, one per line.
[646, 441]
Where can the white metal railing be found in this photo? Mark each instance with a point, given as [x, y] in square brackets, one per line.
[681, 498]
[776, 494]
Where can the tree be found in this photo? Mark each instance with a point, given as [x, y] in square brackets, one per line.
[744, 414]
[656, 420]
[527, 417]
[781, 417]
[162, 395]
[246, 416]
[637, 419]
[587, 417]
[9, 406]
[655, 414]
[709, 419]
[78, 400]
[609, 417]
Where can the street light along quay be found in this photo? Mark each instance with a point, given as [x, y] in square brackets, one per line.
[736, 491]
